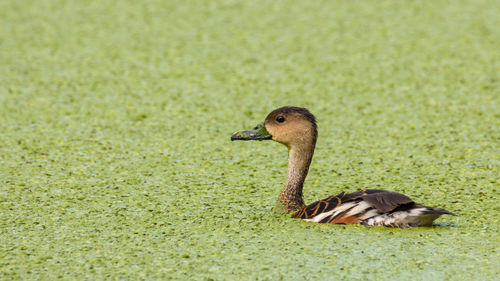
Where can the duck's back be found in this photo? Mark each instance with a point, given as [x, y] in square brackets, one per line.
[371, 207]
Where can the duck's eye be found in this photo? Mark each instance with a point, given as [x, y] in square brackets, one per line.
[280, 119]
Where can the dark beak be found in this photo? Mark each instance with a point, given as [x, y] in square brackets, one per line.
[257, 133]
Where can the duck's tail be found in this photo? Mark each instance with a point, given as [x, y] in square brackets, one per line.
[435, 211]
[417, 215]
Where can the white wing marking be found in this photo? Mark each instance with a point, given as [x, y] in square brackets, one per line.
[360, 208]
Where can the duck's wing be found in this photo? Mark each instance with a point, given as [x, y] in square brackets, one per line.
[382, 200]
[371, 207]
[343, 208]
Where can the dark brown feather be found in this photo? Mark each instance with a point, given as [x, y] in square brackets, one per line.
[386, 201]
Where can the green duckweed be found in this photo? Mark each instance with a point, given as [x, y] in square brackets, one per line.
[115, 119]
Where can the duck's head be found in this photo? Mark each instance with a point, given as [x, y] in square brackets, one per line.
[288, 125]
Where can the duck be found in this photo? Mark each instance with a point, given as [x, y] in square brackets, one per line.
[296, 128]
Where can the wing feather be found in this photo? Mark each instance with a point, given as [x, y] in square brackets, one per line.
[386, 201]
[318, 207]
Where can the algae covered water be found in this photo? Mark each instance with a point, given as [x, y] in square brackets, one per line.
[115, 121]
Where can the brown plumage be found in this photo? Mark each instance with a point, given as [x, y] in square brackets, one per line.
[296, 128]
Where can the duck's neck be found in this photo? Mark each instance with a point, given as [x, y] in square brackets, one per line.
[299, 159]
